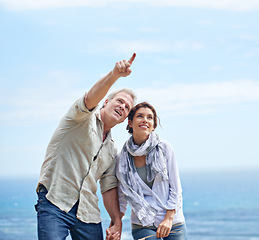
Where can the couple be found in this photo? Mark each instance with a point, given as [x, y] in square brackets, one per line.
[81, 152]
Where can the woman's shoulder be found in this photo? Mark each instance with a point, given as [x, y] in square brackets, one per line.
[166, 146]
[165, 143]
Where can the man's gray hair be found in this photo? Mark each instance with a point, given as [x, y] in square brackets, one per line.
[126, 90]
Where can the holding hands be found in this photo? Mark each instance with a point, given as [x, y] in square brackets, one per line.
[114, 231]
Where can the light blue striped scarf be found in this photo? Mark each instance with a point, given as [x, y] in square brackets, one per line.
[127, 174]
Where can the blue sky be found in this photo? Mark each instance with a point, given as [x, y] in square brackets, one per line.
[197, 63]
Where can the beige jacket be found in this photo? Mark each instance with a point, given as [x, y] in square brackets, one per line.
[76, 158]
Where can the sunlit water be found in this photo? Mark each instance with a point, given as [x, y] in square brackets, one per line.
[217, 206]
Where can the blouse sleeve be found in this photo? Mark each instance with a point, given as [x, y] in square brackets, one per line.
[175, 190]
[122, 199]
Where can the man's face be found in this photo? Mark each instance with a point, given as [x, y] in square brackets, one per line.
[118, 108]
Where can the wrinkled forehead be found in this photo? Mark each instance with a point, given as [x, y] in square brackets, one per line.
[126, 97]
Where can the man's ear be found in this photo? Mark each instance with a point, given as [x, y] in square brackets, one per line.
[105, 102]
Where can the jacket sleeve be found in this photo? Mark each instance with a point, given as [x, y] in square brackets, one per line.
[108, 179]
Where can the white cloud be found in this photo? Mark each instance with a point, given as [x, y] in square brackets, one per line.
[149, 30]
[39, 105]
[126, 47]
[108, 30]
[45, 99]
[199, 98]
[205, 22]
[233, 5]
[33, 106]
[150, 46]
[216, 68]
[251, 38]
[169, 61]
[20, 5]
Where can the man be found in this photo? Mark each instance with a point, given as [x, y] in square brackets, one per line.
[80, 153]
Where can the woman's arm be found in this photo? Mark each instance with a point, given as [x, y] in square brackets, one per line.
[175, 189]
[174, 195]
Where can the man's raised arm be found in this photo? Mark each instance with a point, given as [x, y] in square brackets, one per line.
[100, 89]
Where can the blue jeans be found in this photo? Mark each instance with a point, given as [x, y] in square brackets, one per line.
[144, 232]
[55, 224]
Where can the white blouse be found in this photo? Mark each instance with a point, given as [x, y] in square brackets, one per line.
[164, 195]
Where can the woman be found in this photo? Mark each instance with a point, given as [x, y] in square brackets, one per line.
[149, 180]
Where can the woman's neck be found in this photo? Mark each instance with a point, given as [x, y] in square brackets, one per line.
[138, 140]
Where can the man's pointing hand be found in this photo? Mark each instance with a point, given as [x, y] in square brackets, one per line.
[122, 68]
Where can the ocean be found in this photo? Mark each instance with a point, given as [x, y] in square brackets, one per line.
[218, 205]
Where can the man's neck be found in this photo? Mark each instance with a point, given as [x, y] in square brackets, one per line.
[106, 127]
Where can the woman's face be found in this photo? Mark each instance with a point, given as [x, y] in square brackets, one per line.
[142, 123]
